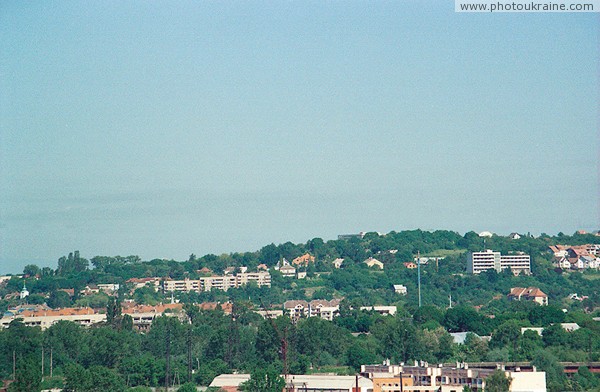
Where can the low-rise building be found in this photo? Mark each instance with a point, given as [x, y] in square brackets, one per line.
[373, 262]
[287, 271]
[400, 289]
[138, 283]
[382, 310]
[570, 327]
[324, 309]
[337, 263]
[528, 294]
[443, 378]
[387, 382]
[109, 288]
[301, 383]
[45, 318]
[350, 236]
[144, 315]
[296, 309]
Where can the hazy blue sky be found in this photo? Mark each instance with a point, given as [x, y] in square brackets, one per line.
[166, 128]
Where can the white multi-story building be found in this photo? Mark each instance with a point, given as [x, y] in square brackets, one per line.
[224, 282]
[478, 262]
[324, 309]
[518, 263]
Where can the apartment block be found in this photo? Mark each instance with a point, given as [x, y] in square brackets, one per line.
[478, 262]
[324, 309]
[223, 283]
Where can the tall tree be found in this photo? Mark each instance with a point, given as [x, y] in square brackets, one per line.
[264, 381]
[28, 377]
[497, 382]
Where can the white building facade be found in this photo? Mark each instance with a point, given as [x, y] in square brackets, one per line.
[478, 262]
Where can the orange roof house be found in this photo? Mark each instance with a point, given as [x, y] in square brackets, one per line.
[304, 259]
[528, 294]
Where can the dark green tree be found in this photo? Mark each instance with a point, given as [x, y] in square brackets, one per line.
[187, 387]
[31, 270]
[59, 299]
[497, 382]
[264, 381]
[28, 377]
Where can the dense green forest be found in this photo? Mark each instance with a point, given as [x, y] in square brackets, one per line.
[211, 342]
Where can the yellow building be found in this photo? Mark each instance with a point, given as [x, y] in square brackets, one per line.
[385, 382]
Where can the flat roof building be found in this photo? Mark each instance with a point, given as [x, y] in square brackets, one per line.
[301, 383]
[478, 262]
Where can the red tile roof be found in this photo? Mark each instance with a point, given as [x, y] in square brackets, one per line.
[304, 259]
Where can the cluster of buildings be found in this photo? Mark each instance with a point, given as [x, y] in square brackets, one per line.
[326, 310]
[450, 378]
[579, 257]
[106, 288]
[316, 308]
[44, 317]
[478, 262]
[295, 270]
[402, 378]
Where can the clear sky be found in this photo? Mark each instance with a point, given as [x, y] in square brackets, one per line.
[163, 128]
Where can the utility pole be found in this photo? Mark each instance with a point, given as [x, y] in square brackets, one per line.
[419, 274]
[401, 386]
[42, 362]
[168, 354]
[189, 352]
[50, 362]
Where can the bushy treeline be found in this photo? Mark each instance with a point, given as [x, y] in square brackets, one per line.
[220, 343]
[211, 342]
[355, 282]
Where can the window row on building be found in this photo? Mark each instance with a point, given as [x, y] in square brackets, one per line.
[478, 262]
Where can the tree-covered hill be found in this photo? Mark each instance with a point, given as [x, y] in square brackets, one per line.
[212, 342]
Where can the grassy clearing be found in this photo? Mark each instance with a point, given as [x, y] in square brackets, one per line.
[445, 252]
[591, 276]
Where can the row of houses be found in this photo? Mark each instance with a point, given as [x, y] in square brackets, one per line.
[326, 310]
[578, 257]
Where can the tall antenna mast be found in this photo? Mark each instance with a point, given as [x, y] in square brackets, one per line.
[419, 274]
